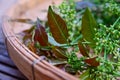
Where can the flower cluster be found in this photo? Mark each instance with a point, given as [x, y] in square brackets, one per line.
[107, 38]
[112, 7]
[108, 49]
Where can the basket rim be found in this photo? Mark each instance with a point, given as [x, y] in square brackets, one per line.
[7, 33]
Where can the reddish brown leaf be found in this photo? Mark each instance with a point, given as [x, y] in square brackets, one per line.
[29, 21]
[57, 26]
[92, 62]
[82, 50]
[40, 34]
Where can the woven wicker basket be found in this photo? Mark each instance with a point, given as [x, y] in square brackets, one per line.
[31, 65]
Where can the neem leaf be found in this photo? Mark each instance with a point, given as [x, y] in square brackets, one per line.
[40, 34]
[85, 75]
[29, 21]
[26, 37]
[92, 62]
[57, 26]
[59, 52]
[82, 50]
[52, 41]
[32, 47]
[56, 62]
[28, 33]
[88, 26]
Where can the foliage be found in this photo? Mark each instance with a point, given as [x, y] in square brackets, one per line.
[67, 11]
[107, 11]
[85, 46]
[57, 26]
[88, 26]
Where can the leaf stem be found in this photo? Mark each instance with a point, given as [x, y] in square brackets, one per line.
[72, 44]
[116, 22]
[78, 38]
[105, 53]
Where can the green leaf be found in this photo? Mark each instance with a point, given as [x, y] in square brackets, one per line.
[57, 26]
[88, 26]
[40, 34]
[85, 75]
[56, 62]
[83, 50]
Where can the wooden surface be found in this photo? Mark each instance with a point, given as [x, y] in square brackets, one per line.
[8, 71]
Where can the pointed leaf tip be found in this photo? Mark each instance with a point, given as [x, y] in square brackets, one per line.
[57, 26]
[40, 34]
[88, 26]
[92, 62]
[82, 49]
